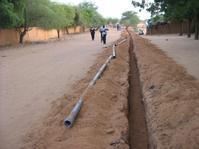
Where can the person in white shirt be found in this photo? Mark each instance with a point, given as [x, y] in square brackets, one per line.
[103, 32]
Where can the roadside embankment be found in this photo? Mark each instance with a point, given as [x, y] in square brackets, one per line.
[102, 122]
[170, 96]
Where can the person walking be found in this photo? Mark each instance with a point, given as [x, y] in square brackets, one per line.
[92, 31]
[104, 34]
[101, 30]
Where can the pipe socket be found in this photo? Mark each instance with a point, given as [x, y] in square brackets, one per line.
[68, 121]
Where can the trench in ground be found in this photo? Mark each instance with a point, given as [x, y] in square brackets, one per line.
[138, 135]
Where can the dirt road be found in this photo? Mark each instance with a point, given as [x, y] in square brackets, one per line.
[183, 50]
[33, 76]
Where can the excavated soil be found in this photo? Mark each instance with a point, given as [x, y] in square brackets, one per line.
[102, 122]
[170, 96]
[138, 135]
[161, 93]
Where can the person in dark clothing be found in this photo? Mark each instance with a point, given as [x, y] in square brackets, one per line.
[92, 31]
[104, 34]
[101, 30]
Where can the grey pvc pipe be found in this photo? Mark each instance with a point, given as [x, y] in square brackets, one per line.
[101, 70]
[122, 41]
[68, 121]
[114, 52]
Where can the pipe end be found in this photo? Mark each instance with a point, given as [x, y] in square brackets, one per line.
[68, 123]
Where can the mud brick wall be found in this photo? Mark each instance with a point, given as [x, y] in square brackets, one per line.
[11, 37]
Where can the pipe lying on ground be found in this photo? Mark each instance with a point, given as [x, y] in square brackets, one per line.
[122, 41]
[114, 53]
[113, 49]
[68, 121]
[101, 70]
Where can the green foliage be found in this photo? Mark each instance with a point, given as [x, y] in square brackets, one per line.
[59, 18]
[47, 14]
[87, 15]
[24, 14]
[38, 13]
[177, 10]
[129, 18]
[112, 20]
[69, 13]
[158, 18]
[10, 12]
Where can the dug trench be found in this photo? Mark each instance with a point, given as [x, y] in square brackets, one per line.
[170, 97]
[103, 120]
[108, 120]
[112, 116]
[138, 137]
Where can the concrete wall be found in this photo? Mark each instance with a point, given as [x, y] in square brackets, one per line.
[11, 37]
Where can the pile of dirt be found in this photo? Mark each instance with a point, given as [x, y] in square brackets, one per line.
[102, 122]
[170, 96]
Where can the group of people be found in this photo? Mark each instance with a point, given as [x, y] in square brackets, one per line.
[103, 32]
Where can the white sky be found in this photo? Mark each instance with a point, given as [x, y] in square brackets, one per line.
[112, 8]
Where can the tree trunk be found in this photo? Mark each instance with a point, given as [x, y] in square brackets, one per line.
[83, 28]
[58, 33]
[196, 30]
[25, 28]
[75, 29]
[189, 28]
[150, 30]
[21, 34]
[67, 30]
[181, 29]
[196, 22]
[21, 37]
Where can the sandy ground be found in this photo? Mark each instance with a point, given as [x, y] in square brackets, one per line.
[33, 76]
[102, 122]
[170, 95]
[183, 50]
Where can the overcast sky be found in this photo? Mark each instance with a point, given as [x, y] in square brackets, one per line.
[112, 8]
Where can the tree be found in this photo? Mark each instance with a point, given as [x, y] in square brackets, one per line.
[69, 13]
[59, 18]
[130, 18]
[35, 13]
[88, 16]
[180, 11]
[9, 14]
[112, 20]
[25, 14]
